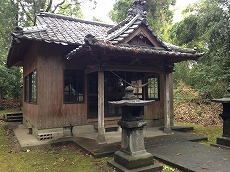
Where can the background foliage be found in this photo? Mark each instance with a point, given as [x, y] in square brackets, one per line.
[206, 26]
[9, 78]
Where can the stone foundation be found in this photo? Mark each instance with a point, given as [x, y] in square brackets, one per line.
[57, 133]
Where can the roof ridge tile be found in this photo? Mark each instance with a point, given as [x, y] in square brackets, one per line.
[59, 16]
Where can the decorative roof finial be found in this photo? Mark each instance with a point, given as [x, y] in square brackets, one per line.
[137, 8]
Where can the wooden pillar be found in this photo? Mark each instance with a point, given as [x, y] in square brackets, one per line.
[101, 128]
[171, 99]
[167, 104]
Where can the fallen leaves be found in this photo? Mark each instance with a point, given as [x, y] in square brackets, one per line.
[204, 114]
[178, 154]
[190, 107]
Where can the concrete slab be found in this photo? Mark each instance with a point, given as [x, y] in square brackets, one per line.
[28, 140]
[176, 149]
[191, 156]
[115, 136]
[25, 139]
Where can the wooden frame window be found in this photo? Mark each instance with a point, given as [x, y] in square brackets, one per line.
[73, 86]
[153, 88]
[137, 90]
[31, 87]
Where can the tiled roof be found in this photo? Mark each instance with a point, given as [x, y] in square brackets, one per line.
[177, 56]
[67, 30]
[116, 35]
[179, 49]
[61, 29]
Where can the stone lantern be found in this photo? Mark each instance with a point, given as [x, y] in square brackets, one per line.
[225, 139]
[132, 156]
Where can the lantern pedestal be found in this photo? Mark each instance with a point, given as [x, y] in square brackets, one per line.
[132, 156]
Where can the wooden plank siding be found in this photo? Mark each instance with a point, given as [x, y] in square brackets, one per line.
[52, 110]
[30, 111]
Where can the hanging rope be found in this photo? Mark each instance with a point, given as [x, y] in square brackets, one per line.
[134, 86]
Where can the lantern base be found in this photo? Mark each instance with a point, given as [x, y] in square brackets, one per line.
[139, 163]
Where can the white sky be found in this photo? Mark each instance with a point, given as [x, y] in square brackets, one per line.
[104, 6]
[101, 12]
[179, 7]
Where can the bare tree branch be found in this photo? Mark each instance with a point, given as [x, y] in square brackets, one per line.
[49, 6]
[65, 7]
[23, 8]
[58, 5]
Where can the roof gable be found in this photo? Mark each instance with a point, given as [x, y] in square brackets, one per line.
[134, 29]
[142, 36]
[140, 40]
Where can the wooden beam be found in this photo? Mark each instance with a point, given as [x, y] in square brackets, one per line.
[101, 115]
[124, 68]
[91, 69]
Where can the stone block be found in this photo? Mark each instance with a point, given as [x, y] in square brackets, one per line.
[84, 129]
[132, 141]
[155, 122]
[150, 168]
[48, 134]
[132, 162]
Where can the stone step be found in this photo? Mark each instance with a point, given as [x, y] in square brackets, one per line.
[13, 117]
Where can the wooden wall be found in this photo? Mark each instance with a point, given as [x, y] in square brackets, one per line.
[52, 110]
[30, 111]
[156, 110]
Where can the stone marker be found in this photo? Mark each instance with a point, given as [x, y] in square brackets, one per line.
[132, 156]
[225, 139]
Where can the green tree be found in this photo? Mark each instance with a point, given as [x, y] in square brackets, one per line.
[206, 27]
[28, 8]
[159, 14]
[71, 9]
[9, 78]
[21, 12]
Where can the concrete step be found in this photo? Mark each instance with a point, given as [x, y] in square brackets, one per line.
[182, 128]
[110, 125]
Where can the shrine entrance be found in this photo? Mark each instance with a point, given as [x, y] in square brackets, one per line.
[114, 86]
